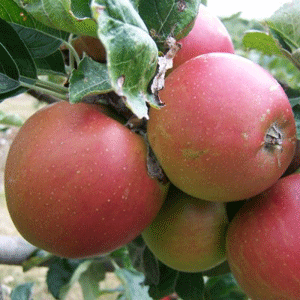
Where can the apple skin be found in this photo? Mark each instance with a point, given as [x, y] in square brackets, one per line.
[263, 243]
[207, 35]
[211, 136]
[76, 181]
[188, 234]
[295, 163]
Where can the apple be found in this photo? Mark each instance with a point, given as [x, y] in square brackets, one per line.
[207, 35]
[263, 243]
[92, 46]
[227, 131]
[188, 234]
[76, 181]
[295, 163]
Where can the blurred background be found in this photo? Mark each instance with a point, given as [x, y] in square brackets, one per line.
[255, 9]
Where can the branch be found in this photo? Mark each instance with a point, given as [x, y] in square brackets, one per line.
[14, 250]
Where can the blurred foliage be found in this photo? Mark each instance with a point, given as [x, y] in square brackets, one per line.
[280, 67]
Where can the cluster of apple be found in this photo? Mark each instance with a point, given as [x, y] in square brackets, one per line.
[77, 184]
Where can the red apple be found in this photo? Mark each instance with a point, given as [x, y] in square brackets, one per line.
[295, 163]
[263, 243]
[76, 181]
[208, 35]
[188, 234]
[227, 131]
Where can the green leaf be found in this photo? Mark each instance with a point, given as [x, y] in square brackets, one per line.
[59, 15]
[296, 110]
[286, 23]
[132, 282]
[166, 284]
[190, 286]
[22, 292]
[9, 75]
[221, 269]
[90, 78]
[18, 91]
[36, 259]
[39, 44]
[7, 84]
[151, 267]
[131, 52]
[135, 251]
[10, 119]
[13, 44]
[263, 42]
[89, 280]
[14, 14]
[223, 288]
[52, 64]
[60, 274]
[169, 17]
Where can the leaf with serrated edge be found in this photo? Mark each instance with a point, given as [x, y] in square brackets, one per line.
[16, 48]
[169, 17]
[90, 78]
[131, 52]
[132, 282]
[39, 44]
[59, 15]
[13, 13]
[286, 22]
[52, 64]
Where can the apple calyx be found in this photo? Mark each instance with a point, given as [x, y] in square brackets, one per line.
[273, 138]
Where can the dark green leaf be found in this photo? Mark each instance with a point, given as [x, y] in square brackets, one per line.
[190, 286]
[169, 17]
[263, 42]
[59, 15]
[131, 52]
[90, 78]
[39, 44]
[59, 274]
[7, 84]
[135, 250]
[151, 267]
[18, 91]
[13, 13]
[223, 287]
[9, 74]
[52, 64]
[81, 9]
[167, 282]
[296, 110]
[133, 284]
[221, 269]
[22, 292]
[13, 44]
